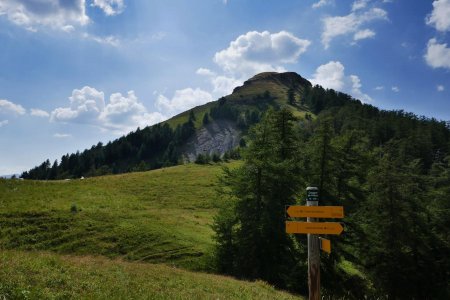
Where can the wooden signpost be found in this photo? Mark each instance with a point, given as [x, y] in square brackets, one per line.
[311, 227]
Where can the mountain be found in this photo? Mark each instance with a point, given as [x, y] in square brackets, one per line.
[219, 128]
[215, 128]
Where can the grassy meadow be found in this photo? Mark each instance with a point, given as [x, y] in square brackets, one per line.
[29, 275]
[158, 216]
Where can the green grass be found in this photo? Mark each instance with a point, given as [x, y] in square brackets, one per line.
[29, 275]
[277, 90]
[157, 216]
[199, 112]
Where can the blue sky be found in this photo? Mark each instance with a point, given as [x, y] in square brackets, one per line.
[76, 72]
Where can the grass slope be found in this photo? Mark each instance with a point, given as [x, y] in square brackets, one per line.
[157, 216]
[240, 97]
[26, 275]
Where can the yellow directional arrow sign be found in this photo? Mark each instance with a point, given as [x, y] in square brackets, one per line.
[297, 211]
[314, 227]
[325, 245]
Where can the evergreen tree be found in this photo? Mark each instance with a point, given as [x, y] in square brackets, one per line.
[291, 96]
[399, 240]
[251, 236]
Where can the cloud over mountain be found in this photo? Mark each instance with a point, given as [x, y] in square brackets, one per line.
[120, 114]
[332, 76]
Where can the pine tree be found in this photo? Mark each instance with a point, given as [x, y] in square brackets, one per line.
[250, 232]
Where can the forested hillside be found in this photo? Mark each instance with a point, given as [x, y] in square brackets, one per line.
[390, 171]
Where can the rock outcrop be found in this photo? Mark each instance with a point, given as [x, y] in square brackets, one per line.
[218, 136]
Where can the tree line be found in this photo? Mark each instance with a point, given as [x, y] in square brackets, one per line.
[389, 169]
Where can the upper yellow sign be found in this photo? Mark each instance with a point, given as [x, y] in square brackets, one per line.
[297, 211]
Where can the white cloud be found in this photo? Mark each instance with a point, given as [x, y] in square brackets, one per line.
[39, 113]
[50, 13]
[438, 55]
[110, 7]
[121, 114]
[108, 40]
[223, 85]
[249, 54]
[440, 88]
[125, 113]
[395, 89]
[61, 135]
[7, 107]
[205, 72]
[256, 52]
[379, 88]
[351, 23]
[440, 16]
[3, 123]
[85, 106]
[359, 4]
[356, 90]
[332, 76]
[321, 3]
[363, 34]
[182, 100]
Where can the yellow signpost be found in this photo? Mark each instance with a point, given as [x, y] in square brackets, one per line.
[314, 227]
[312, 212]
[325, 245]
[297, 211]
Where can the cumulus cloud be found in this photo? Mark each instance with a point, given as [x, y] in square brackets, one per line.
[39, 113]
[379, 88]
[256, 52]
[85, 106]
[440, 16]
[121, 114]
[249, 54]
[8, 107]
[3, 123]
[110, 7]
[124, 113]
[61, 15]
[351, 24]
[440, 88]
[363, 34]
[223, 85]
[395, 89]
[321, 3]
[205, 72]
[437, 55]
[182, 100]
[332, 76]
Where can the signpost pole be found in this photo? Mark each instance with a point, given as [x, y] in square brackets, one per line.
[312, 199]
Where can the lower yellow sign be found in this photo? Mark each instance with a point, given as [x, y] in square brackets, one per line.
[325, 245]
[314, 227]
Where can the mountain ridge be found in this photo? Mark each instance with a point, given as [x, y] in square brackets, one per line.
[214, 128]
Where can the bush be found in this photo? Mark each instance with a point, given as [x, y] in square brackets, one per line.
[73, 208]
